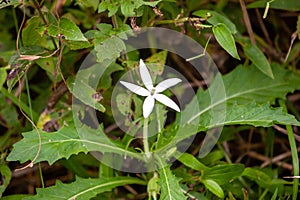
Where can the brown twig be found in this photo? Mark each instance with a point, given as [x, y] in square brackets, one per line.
[278, 158]
[258, 156]
[282, 130]
[247, 22]
[60, 90]
[263, 27]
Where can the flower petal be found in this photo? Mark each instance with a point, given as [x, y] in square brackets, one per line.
[136, 89]
[148, 106]
[162, 86]
[145, 75]
[166, 101]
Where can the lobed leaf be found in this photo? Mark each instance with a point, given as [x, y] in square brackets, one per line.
[243, 86]
[169, 183]
[64, 143]
[251, 114]
[170, 188]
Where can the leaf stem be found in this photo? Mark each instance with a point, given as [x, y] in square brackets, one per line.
[145, 138]
[294, 152]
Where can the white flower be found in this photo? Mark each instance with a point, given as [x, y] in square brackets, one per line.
[152, 93]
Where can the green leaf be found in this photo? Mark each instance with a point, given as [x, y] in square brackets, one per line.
[88, 3]
[123, 104]
[251, 114]
[106, 79]
[216, 18]
[6, 176]
[292, 5]
[223, 174]
[153, 188]
[109, 48]
[15, 197]
[192, 162]
[275, 194]
[112, 7]
[67, 28]
[3, 75]
[170, 188]
[84, 92]
[258, 176]
[10, 3]
[242, 86]
[156, 62]
[30, 35]
[214, 187]
[83, 189]
[64, 143]
[225, 39]
[258, 59]
[129, 7]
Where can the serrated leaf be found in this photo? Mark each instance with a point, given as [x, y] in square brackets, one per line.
[3, 75]
[252, 114]
[245, 85]
[214, 187]
[242, 86]
[223, 174]
[292, 5]
[225, 39]
[64, 143]
[216, 18]
[83, 189]
[5, 178]
[258, 59]
[192, 162]
[67, 28]
[170, 188]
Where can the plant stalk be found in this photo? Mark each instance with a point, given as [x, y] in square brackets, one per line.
[145, 138]
[294, 152]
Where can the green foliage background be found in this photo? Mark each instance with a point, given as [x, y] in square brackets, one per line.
[44, 42]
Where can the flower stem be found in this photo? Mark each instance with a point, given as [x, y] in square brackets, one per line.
[145, 138]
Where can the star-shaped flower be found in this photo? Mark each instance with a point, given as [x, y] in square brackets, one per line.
[152, 93]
